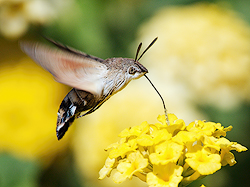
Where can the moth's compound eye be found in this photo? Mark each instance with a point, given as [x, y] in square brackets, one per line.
[132, 70]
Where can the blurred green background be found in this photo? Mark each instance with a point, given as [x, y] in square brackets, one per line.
[200, 64]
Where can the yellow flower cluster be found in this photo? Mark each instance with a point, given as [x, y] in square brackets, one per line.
[170, 155]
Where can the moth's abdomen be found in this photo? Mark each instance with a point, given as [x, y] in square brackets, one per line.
[75, 102]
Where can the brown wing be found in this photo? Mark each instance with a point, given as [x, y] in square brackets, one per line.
[68, 67]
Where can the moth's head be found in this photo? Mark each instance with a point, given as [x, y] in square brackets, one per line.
[135, 69]
[121, 71]
[128, 67]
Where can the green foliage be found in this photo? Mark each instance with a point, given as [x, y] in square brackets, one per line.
[18, 173]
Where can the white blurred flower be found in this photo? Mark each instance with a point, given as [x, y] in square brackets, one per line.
[16, 16]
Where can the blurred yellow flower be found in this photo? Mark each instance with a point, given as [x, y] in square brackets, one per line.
[167, 162]
[16, 16]
[202, 54]
[29, 102]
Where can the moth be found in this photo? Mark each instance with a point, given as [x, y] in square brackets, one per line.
[93, 79]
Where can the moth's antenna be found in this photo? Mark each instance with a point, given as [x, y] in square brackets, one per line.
[137, 52]
[138, 49]
[165, 110]
[147, 47]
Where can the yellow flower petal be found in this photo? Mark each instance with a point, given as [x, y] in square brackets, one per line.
[201, 127]
[135, 162]
[123, 149]
[187, 180]
[145, 140]
[166, 152]
[155, 137]
[221, 131]
[165, 176]
[238, 147]
[107, 168]
[184, 136]
[203, 162]
[227, 158]
[176, 126]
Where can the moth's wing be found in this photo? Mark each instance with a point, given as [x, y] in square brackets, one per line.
[70, 49]
[75, 102]
[77, 70]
